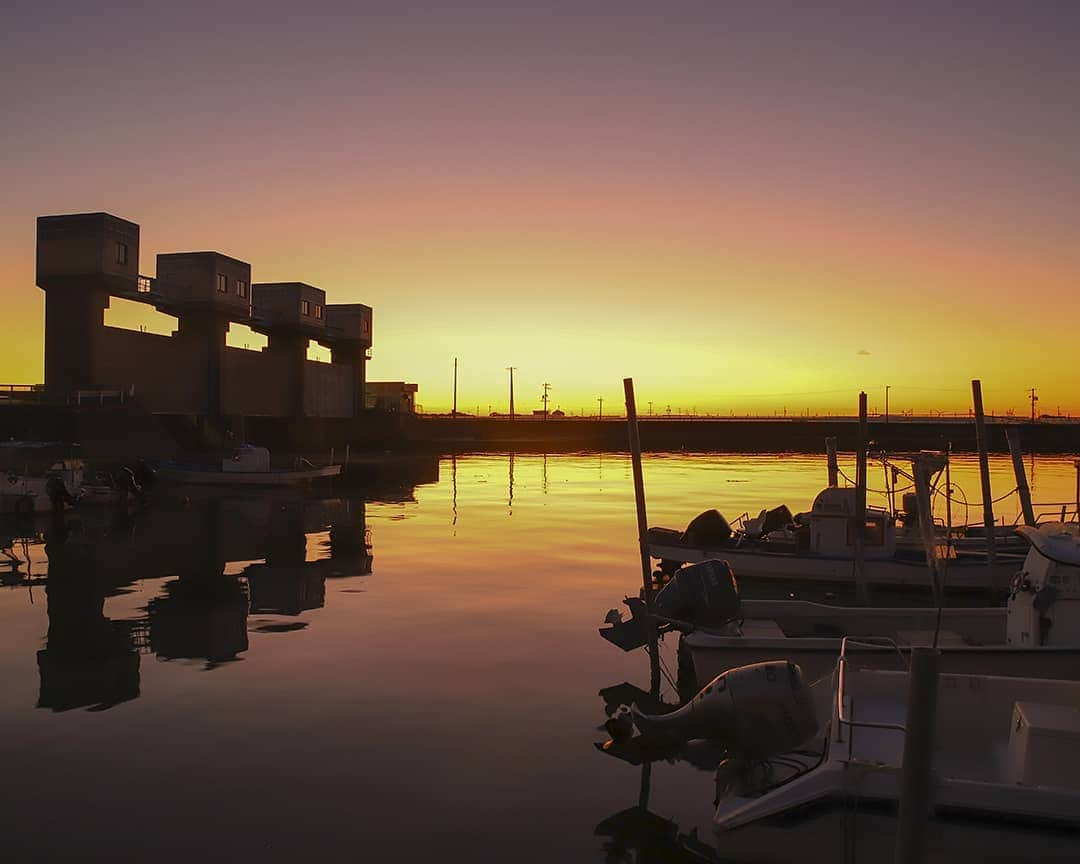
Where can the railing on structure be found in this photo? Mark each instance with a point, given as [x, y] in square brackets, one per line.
[101, 397]
[22, 392]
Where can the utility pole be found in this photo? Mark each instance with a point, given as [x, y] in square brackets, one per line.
[887, 389]
[511, 370]
[1034, 398]
[600, 399]
[650, 409]
[454, 413]
[544, 398]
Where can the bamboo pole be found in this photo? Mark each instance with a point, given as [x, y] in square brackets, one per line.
[643, 527]
[1012, 435]
[859, 518]
[984, 471]
[834, 470]
[948, 501]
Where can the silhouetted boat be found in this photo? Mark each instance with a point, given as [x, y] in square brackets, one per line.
[819, 545]
[246, 466]
[1037, 632]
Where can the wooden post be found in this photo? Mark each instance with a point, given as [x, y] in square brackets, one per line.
[859, 518]
[1012, 435]
[643, 527]
[984, 470]
[916, 780]
[830, 451]
[948, 501]
[1077, 466]
[924, 466]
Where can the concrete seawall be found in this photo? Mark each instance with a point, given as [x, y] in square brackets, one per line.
[728, 435]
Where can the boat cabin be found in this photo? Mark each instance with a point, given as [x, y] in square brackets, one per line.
[247, 459]
[832, 533]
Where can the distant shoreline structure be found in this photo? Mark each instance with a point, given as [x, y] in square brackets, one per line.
[731, 435]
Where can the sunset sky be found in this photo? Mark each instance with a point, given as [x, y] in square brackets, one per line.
[745, 206]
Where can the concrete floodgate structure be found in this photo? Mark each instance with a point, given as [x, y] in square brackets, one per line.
[84, 260]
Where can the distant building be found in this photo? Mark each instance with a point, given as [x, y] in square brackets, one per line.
[394, 397]
[85, 259]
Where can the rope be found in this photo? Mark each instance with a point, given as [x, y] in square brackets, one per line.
[868, 489]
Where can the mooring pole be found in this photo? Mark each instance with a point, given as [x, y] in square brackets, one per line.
[859, 518]
[1076, 464]
[984, 471]
[830, 452]
[948, 500]
[916, 781]
[643, 528]
[924, 465]
[1012, 435]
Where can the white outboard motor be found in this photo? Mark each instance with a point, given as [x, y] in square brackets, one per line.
[1044, 600]
[758, 711]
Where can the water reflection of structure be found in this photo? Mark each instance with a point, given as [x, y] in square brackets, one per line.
[88, 661]
[202, 611]
[510, 491]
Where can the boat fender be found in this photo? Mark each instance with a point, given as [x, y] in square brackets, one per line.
[757, 711]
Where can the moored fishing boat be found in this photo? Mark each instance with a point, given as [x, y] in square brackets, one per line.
[1036, 633]
[37, 476]
[1005, 766]
[820, 546]
[246, 466]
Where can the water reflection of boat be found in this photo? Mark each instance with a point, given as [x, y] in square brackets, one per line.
[638, 835]
[246, 466]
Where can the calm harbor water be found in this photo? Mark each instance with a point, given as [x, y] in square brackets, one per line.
[403, 676]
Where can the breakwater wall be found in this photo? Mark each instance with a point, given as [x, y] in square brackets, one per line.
[525, 434]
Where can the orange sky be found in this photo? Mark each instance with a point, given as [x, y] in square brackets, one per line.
[745, 211]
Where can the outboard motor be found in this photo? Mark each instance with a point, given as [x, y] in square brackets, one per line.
[705, 594]
[707, 529]
[58, 493]
[145, 476]
[758, 711]
[777, 518]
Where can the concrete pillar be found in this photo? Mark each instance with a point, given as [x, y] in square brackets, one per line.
[74, 321]
[205, 332]
[355, 355]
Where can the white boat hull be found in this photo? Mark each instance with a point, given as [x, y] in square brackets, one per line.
[246, 479]
[817, 657]
[973, 572]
